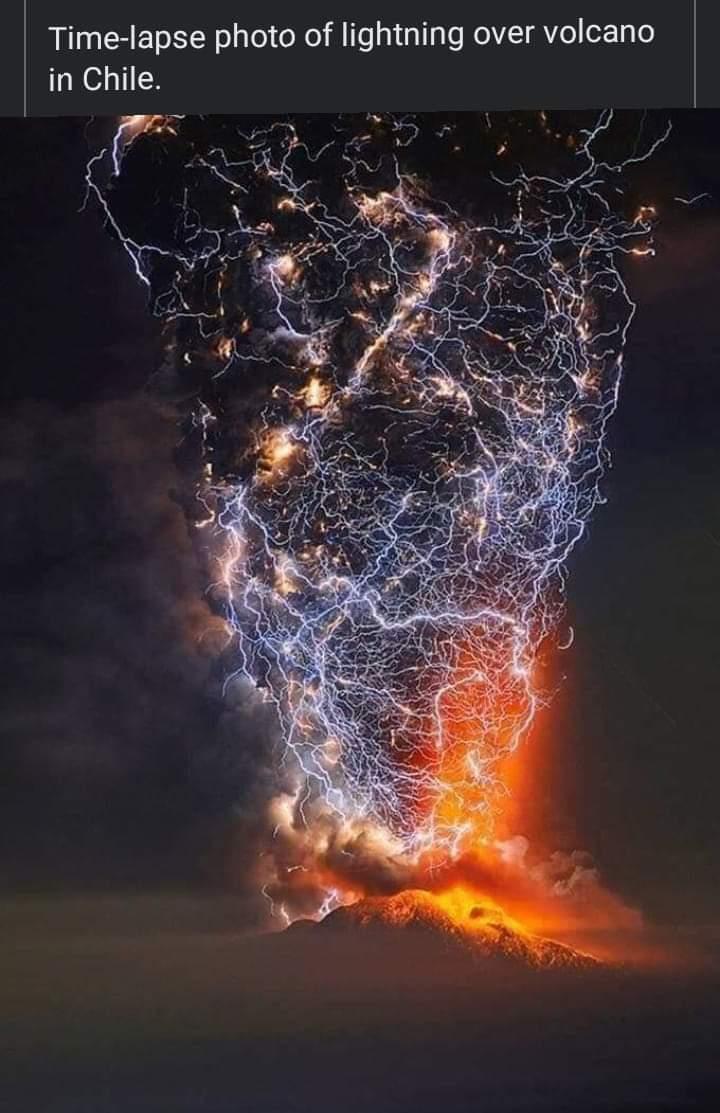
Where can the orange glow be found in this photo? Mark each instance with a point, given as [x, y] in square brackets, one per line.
[286, 268]
[470, 875]
[471, 909]
[225, 348]
[277, 454]
[142, 124]
[485, 922]
[135, 123]
[439, 240]
[468, 921]
[475, 744]
[316, 393]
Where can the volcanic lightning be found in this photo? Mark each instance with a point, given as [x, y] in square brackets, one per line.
[399, 399]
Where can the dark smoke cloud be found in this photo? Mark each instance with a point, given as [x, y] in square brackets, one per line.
[117, 762]
[126, 759]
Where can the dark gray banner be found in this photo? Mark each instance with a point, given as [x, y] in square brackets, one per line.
[63, 57]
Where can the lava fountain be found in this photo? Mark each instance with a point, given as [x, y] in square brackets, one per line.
[396, 343]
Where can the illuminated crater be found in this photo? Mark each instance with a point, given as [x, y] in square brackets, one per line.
[460, 918]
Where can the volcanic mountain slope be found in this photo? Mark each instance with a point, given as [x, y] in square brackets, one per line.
[480, 929]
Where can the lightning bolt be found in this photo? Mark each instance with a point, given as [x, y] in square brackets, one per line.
[399, 408]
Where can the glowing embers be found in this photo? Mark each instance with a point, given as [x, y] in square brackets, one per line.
[131, 126]
[279, 452]
[430, 384]
[316, 393]
[475, 912]
[285, 268]
[459, 918]
[383, 209]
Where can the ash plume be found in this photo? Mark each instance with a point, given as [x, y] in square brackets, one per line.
[396, 373]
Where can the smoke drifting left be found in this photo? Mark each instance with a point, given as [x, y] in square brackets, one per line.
[85, 506]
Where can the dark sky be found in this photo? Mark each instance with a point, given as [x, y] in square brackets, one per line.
[117, 766]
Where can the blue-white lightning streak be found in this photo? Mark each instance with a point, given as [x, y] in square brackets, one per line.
[420, 446]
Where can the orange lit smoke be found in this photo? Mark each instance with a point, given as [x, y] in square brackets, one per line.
[477, 736]
[482, 867]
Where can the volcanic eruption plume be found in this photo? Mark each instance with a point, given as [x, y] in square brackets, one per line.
[397, 343]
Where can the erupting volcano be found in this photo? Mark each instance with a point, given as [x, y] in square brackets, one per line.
[395, 379]
[478, 927]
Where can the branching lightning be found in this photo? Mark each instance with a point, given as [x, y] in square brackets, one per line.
[400, 409]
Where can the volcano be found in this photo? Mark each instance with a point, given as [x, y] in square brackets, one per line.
[458, 921]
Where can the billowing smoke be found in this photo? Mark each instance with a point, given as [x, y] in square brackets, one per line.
[396, 343]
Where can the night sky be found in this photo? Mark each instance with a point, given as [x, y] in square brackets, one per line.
[118, 765]
[125, 779]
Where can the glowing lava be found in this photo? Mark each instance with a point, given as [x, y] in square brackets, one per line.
[460, 918]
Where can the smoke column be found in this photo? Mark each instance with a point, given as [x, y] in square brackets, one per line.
[396, 384]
